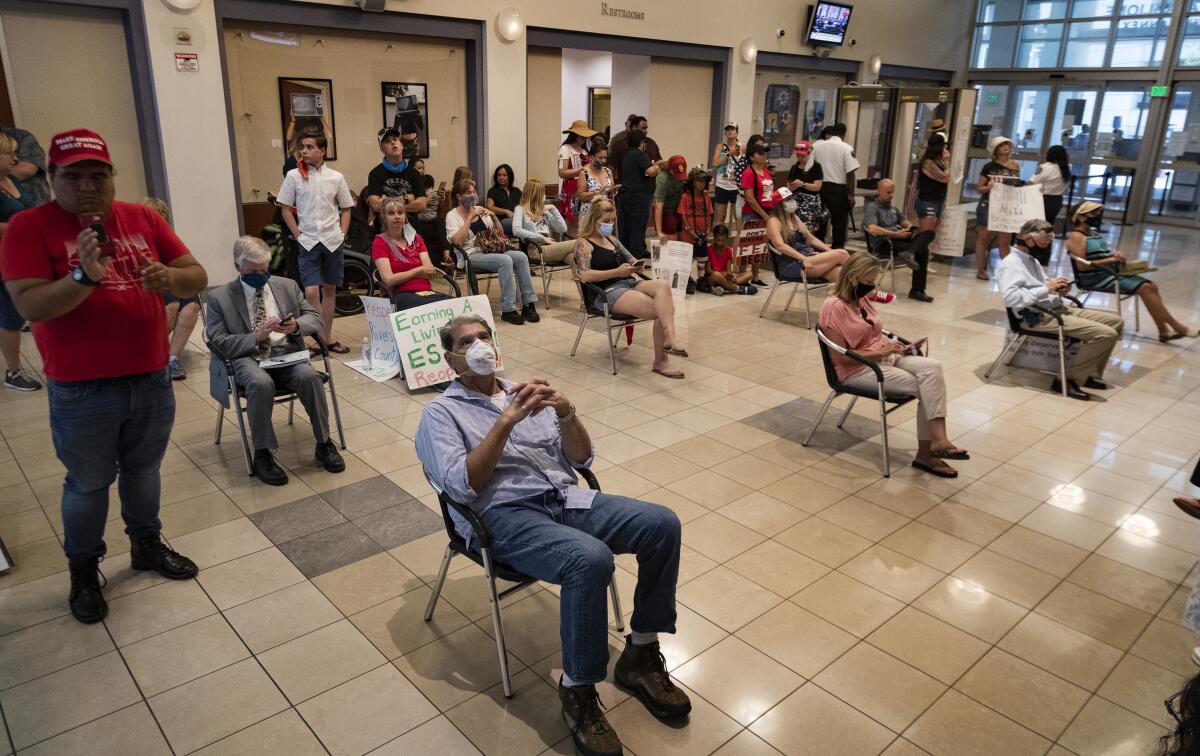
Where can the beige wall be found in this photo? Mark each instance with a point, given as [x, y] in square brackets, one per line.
[85, 83]
[544, 107]
[764, 77]
[681, 108]
[357, 64]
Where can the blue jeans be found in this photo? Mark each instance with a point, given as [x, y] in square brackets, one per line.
[101, 428]
[507, 264]
[574, 548]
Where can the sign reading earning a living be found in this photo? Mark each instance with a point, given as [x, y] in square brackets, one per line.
[384, 362]
[419, 345]
[622, 13]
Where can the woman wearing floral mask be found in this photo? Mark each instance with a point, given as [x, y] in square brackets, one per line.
[849, 320]
[604, 262]
[598, 177]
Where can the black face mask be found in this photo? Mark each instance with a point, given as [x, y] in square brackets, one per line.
[862, 290]
[1094, 221]
[1039, 250]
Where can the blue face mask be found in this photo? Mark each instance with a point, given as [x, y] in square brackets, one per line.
[255, 280]
[401, 168]
[606, 229]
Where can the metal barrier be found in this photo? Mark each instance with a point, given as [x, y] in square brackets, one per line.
[1106, 179]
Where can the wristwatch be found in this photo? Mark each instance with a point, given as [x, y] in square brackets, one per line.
[567, 417]
[81, 277]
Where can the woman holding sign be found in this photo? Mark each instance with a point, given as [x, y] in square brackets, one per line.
[604, 262]
[1001, 169]
[402, 260]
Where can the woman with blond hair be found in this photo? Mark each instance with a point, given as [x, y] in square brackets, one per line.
[849, 320]
[534, 221]
[604, 262]
[402, 260]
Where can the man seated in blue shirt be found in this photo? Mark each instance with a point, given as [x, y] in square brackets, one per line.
[506, 450]
[882, 220]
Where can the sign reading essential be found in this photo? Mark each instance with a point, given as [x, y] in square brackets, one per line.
[417, 341]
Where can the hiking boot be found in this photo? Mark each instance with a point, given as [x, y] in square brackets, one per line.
[529, 312]
[87, 603]
[327, 454]
[267, 469]
[151, 553]
[643, 671]
[512, 316]
[583, 713]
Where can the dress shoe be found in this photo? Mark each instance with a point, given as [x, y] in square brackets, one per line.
[643, 670]
[529, 312]
[327, 455]
[584, 717]
[87, 604]
[1073, 390]
[920, 296]
[266, 469]
[512, 316]
[151, 553]
[1095, 383]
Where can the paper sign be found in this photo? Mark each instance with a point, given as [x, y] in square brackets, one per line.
[420, 347]
[188, 62]
[951, 235]
[674, 265]
[1010, 206]
[385, 357]
[753, 241]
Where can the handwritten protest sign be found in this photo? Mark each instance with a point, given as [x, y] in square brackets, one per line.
[952, 231]
[385, 357]
[674, 265]
[753, 239]
[1010, 206]
[417, 342]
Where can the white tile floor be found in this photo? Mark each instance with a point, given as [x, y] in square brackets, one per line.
[1033, 605]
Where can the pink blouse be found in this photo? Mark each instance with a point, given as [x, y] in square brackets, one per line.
[860, 334]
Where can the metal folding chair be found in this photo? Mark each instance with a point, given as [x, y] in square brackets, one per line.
[614, 323]
[1020, 334]
[1078, 264]
[803, 282]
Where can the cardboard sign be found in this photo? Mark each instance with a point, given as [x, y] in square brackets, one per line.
[753, 241]
[674, 265]
[1010, 206]
[385, 357]
[951, 238]
[1041, 354]
[417, 341]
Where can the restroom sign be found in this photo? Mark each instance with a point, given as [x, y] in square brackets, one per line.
[189, 62]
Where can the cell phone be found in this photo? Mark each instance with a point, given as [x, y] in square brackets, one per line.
[915, 347]
[101, 234]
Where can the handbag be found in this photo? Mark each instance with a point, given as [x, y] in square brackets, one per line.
[491, 239]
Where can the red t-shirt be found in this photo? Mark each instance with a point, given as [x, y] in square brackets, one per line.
[765, 185]
[120, 329]
[718, 261]
[696, 213]
[402, 259]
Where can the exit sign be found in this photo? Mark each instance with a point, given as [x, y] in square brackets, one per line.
[1159, 90]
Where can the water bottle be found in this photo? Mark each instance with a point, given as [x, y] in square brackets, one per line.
[366, 353]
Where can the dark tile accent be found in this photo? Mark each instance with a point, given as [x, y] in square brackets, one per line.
[288, 522]
[326, 550]
[990, 317]
[366, 496]
[400, 524]
[794, 419]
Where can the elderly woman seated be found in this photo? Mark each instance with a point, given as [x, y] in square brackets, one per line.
[402, 260]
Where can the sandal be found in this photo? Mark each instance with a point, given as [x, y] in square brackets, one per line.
[337, 348]
[982, 276]
[1188, 505]
[952, 453]
[678, 374]
[941, 470]
[677, 351]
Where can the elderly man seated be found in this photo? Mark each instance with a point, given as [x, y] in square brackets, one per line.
[1023, 283]
[250, 319]
[882, 220]
[506, 450]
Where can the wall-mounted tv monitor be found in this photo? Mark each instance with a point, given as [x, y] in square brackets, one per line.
[829, 23]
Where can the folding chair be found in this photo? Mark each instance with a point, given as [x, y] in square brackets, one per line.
[381, 290]
[808, 284]
[1078, 264]
[885, 252]
[838, 388]
[613, 323]
[282, 396]
[534, 251]
[493, 569]
[473, 275]
[1020, 334]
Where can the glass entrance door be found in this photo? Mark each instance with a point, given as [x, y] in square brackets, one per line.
[1177, 182]
[1072, 126]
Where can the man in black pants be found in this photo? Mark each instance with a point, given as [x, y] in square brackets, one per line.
[881, 220]
[838, 165]
[638, 173]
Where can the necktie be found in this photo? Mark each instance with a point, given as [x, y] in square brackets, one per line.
[260, 317]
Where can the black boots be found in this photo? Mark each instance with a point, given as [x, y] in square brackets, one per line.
[87, 604]
[150, 553]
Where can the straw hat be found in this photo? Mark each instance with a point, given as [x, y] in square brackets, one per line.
[580, 128]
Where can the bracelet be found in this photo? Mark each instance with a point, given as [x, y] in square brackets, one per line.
[567, 417]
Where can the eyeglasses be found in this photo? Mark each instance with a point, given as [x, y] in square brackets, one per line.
[1170, 704]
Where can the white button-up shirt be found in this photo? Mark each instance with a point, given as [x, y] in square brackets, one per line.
[836, 159]
[272, 309]
[318, 200]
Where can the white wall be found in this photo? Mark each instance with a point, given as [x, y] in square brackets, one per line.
[631, 93]
[582, 69]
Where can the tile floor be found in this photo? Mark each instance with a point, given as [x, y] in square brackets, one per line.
[1032, 605]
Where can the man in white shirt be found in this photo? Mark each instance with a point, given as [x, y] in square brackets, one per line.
[1023, 284]
[838, 165]
[320, 197]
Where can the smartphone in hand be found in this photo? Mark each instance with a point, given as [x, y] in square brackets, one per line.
[915, 347]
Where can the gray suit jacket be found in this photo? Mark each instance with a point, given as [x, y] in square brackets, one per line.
[227, 326]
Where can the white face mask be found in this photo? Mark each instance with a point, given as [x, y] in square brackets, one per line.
[790, 206]
[481, 358]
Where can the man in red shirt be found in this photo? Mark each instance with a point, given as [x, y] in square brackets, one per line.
[89, 273]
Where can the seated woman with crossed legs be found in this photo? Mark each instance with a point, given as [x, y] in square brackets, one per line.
[796, 245]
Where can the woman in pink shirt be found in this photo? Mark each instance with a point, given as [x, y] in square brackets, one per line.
[849, 320]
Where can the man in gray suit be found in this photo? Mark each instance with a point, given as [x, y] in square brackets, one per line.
[254, 317]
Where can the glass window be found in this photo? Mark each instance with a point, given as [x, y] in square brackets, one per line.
[1195, 7]
[990, 109]
[1092, 8]
[1189, 51]
[999, 10]
[1182, 142]
[1146, 7]
[1039, 46]
[1140, 42]
[1030, 105]
[994, 46]
[1122, 123]
[1041, 10]
[1087, 43]
[1073, 122]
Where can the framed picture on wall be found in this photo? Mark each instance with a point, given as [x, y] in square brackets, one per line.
[306, 105]
[779, 119]
[406, 109]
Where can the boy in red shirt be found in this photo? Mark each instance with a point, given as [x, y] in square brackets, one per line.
[721, 268]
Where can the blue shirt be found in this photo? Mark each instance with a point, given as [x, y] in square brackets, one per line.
[531, 465]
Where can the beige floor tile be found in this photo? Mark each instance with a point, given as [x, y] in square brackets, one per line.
[901, 747]
[1007, 578]
[1040, 551]
[25, 527]
[899, 497]
[888, 690]
[718, 537]
[48, 647]
[366, 712]
[531, 626]
[661, 467]
[255, 496]
[65, 699]
[706, 728]
[1142, 687]
[221, 543]
[969, 607]
[928, 644]
[899, 576]
[318, 661]
[423, 556]
[1102, 618]
[466, 590]
[726, 598]
[996, 501]
[1074, 529]
[847, 603]
[1147, 555]
[157, 609]
[709, 489]
[33, 602]
[788, 455]
[1022, 692]
[455, 667]
[249, 577]
[845, 476]
[529, 722]
[775, 634]
[285, 732]
[777, 568]
[1097, 506]
[864, 518]
[366, 582]
[930, 546]
[281, 616]
[398, 625]
[661, 433]
[742, 436]
[1117, 486]
[823, 541]
[965, 522]
[958, 726]
[178, 656]
[752, 471]
[813, 722]
[804, 493]
[1104, 728]
[703, 451]
[437, 737]
[741, 681]
[693, 634]
[746, 743]
[197, 513]
[33, 561]
[130, 730]
[17, 498]
[1168, 645]
[762, 513]
[1056, 648]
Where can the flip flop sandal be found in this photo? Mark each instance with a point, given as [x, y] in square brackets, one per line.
[678, 374]
[954, 453]
[1165, 337]
[942, 471]
[982, 276]
[1187, 506]
[314, 351]
[677, 352]
[337, 348]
